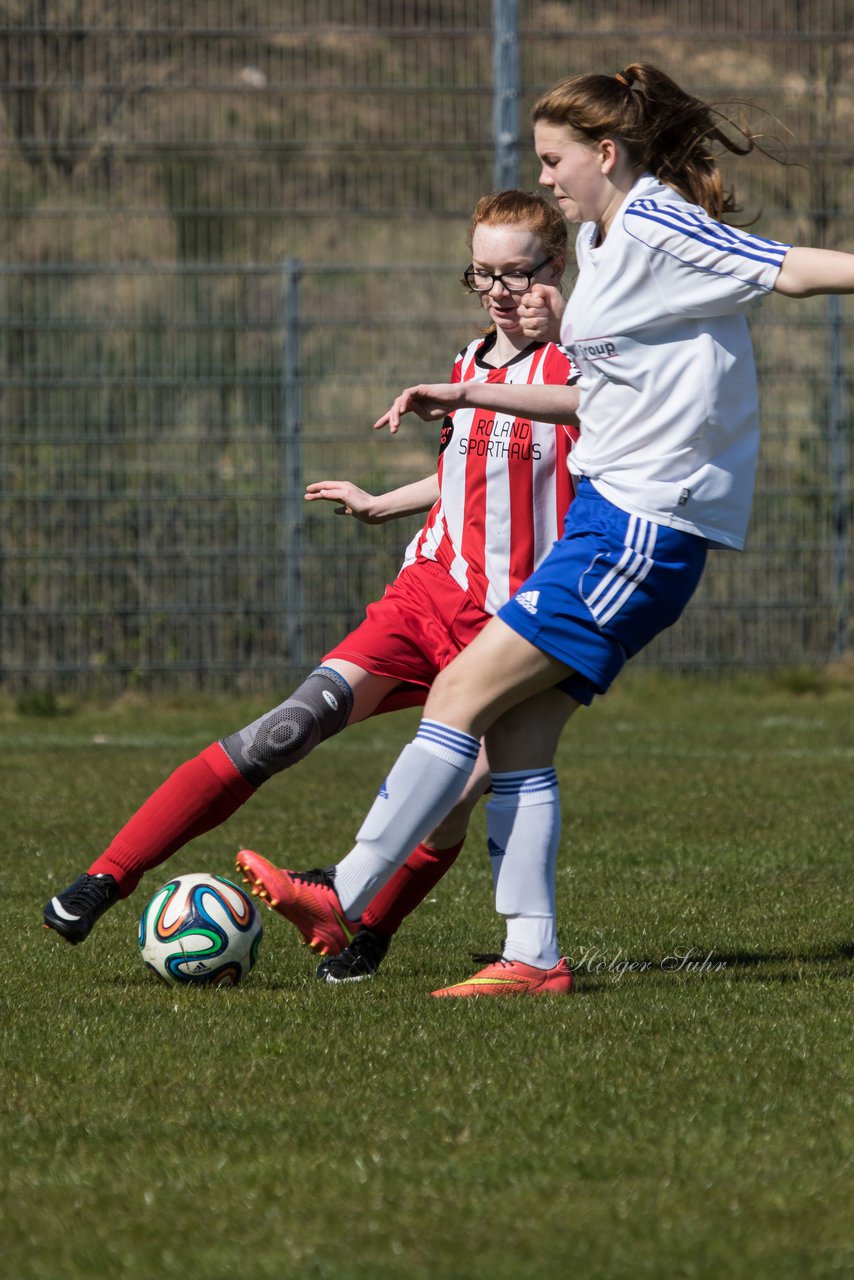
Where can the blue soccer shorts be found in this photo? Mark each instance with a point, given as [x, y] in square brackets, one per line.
[606, 589]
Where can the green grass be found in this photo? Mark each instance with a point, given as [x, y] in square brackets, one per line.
[665, 1122]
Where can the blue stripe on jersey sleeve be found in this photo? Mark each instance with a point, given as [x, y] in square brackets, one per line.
[702, 221]
[697, 221]
[705, 231]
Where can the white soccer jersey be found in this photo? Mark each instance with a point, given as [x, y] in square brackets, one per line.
[669, 409]
[504, 482]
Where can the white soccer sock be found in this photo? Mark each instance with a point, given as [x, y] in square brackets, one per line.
[523, 829]
[427, 779]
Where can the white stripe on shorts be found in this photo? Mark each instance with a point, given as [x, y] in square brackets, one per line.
[632, 567]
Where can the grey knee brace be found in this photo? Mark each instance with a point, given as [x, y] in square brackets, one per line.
[319, 708]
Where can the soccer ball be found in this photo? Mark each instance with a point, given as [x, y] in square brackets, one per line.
[200, 930]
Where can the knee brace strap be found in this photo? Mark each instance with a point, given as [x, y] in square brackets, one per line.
[319, 708]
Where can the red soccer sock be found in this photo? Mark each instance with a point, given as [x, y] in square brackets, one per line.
[408, 887]
[197, 797]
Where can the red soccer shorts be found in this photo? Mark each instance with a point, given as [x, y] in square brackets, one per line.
[420, 625]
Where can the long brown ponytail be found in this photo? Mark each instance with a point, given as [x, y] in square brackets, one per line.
[663, 128]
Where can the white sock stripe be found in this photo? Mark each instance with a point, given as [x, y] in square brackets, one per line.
[433, 732]
[523, 783]
[514, 775]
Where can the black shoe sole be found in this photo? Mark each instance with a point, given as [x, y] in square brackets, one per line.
[356, 977]
[55, 928]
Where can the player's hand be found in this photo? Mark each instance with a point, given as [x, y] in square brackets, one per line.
[428, 401]
[353, 500]
[540, 312]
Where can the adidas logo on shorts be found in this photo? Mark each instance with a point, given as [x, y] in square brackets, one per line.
[528, 600]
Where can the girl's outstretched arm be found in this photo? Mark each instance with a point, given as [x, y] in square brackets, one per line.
[809, 271]
[409, 499]
[430, 401]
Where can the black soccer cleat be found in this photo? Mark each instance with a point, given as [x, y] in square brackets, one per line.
[360, 960]
[73, 912]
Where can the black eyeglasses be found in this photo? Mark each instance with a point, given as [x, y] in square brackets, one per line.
[513, 281]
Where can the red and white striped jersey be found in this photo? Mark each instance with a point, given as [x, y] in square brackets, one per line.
[504, 484]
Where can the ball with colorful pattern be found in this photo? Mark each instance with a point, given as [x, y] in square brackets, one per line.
[200, 930]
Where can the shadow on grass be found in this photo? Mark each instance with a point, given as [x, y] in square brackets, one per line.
[593, 972]
[596, 971]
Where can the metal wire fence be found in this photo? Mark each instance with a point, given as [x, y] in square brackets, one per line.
[230, 232]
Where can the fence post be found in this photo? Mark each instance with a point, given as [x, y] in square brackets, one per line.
[838, 459]
[293, 486]
[505, 93]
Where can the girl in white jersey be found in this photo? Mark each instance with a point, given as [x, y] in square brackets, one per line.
[499, 496]
[666, 458]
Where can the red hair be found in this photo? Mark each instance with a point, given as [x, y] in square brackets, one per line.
[523, 209]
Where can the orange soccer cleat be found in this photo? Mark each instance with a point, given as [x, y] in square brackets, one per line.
[512, 978]
[306, 898]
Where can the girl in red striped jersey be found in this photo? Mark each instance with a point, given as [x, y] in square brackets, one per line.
[505, 484]
[499, 497]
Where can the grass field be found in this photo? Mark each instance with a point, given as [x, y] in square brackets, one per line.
[686, 1114]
